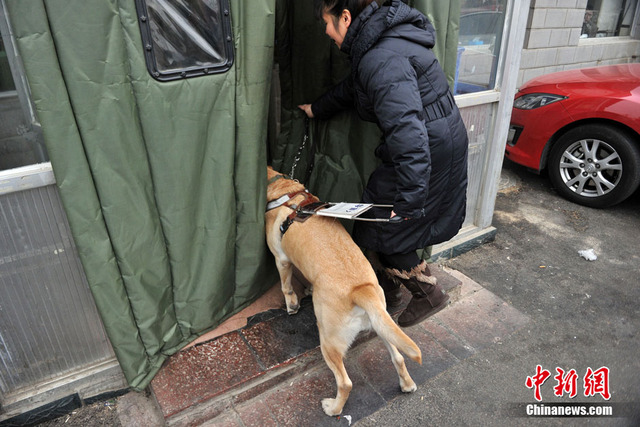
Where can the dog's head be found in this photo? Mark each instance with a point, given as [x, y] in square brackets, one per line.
[280, 186]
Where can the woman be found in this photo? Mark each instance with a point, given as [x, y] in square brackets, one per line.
[397, 82]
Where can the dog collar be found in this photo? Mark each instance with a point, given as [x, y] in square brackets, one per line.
[275, 178]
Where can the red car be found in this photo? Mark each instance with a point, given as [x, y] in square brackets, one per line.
[583, 126]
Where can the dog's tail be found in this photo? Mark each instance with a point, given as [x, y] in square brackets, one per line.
[365, 297]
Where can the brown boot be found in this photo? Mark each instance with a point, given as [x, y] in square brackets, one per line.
[392, 292]
[428, 297]
[391, 287]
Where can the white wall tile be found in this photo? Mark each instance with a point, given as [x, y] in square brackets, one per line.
[566, 55]
[555, 18]
[539, 38]
[539, 17]
[597, 52]
[570, 4]
[584, 53]
[545, 3]
[554, 69]
[575, 18]
[553, 43]
[532, 73]
[559, 37]
[546, 57]
[574, 37]
[528, 59]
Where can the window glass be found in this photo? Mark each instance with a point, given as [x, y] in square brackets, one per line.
[21, 142]
[6, 80]
[479, 42]
[608, 18]
[185, 38]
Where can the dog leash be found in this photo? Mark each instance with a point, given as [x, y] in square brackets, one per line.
[310, 156]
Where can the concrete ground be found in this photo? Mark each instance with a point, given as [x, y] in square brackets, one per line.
[582, 314]
[271, 372]
[526, 299]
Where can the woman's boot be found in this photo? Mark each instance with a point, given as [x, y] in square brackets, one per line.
[391, 288]
[428, 297]
[392, 292]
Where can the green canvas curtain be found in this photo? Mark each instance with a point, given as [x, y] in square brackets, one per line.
[163, 183]
[339, 150]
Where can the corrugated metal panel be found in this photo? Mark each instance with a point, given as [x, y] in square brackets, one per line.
[478, 120]
[49, 324]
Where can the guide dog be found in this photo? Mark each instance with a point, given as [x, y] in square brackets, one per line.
[346, 296]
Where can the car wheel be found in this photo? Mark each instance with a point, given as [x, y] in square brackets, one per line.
[595, 165]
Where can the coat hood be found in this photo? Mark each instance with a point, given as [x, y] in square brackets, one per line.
[374, 23]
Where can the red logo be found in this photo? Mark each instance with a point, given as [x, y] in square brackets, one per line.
[595, 382]
[537, 380]
[566, 383]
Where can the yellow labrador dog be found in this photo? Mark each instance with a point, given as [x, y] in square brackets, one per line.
[346, 296]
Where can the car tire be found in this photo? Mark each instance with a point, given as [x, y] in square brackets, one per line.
[595, 165]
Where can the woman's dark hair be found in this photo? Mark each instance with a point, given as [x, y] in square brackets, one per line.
[335, 7]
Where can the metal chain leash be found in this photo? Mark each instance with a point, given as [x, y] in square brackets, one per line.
[301, 149]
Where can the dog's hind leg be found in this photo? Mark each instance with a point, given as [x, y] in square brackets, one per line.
[390, 334]
[285, 268]
[406, 383]
[333, 356]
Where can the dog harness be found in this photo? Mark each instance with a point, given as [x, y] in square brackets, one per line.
[301, 211]
[311, 205]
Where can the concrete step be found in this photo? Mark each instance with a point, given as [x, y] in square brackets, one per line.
[271, 372]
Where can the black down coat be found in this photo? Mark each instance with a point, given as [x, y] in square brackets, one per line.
[397, 82]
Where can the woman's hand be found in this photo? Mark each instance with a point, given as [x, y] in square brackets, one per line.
[307, 109]
[394, 218]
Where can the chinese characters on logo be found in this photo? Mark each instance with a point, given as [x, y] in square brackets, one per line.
[595, 382]
[566, 383]
[537, 380]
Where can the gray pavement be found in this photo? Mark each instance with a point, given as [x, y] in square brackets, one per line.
[530, 300]
[583, 314]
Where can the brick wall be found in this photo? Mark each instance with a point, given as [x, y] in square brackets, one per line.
[553, 43]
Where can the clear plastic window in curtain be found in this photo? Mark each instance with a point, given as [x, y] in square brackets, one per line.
[479, 42]
[21, 141]
[186, 38]
[609, 18]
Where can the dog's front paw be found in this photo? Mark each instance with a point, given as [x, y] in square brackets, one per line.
[293, 309]
[408, 387]
[329, 407]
